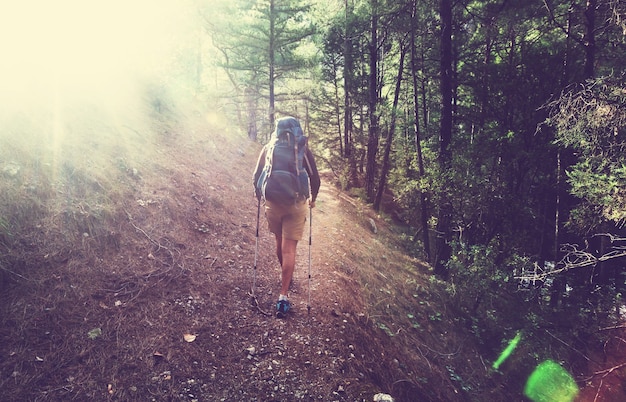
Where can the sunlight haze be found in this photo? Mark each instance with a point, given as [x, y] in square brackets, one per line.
[90, 48]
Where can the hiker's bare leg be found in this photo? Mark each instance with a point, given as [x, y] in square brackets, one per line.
[279, 249]
[288, 263]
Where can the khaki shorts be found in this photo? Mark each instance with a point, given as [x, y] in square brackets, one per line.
[286, 220]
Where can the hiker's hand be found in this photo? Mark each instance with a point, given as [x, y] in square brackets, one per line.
[311, 204]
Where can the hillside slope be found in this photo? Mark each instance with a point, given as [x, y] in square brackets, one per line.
[143, 233]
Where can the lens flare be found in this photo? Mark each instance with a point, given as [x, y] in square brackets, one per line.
[551, 383]
[507, 352]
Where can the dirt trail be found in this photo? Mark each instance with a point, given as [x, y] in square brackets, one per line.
[330, 280]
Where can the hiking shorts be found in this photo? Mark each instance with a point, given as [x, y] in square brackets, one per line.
[286, 220]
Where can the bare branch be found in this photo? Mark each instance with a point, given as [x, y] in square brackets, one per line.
[608, 371]
[613, 327]
[577, 258]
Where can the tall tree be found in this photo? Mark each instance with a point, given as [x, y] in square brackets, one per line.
[373, 134]
[287, 27]
[590, 38]
[425, 210]
[442, 251]
[391, 130]
[262, 39]
[331, 67]
[347, 79]
[565, 158]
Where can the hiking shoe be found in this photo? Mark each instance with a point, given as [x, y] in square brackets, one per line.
[282, 307]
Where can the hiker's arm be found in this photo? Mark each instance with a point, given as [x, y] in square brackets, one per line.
[314, 176]
[260, 164]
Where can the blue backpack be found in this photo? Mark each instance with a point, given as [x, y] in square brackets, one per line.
[284, 179]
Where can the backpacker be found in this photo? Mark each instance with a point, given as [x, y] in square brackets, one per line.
[284, 179]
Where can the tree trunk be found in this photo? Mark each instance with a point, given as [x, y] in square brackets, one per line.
[558, 286]
[566, 157]
[372, 141]
[251, 113]
[347, 71]
[442, 249]
[424, 89]
[568, 47]
[272, 60]
[484, 91]
[418, 145]
[392, 127]
[589, 39]
[337, 108]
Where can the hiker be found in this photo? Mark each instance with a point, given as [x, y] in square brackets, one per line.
[285, 178]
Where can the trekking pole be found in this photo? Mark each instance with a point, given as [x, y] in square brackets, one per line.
[308, 307]
[256, 246]
[254, 300]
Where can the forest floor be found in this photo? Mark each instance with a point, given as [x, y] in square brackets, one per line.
[145, 292]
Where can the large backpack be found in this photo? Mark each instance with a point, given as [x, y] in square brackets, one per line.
[284, 179]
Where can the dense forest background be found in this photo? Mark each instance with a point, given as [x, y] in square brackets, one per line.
[492, 131]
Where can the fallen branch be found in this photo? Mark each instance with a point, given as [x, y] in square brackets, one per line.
[608, 371]
[256, 304]
[568, 345]
[613, 327]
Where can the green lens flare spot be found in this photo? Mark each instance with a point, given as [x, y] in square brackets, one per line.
[507, 352]
[551, 383]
